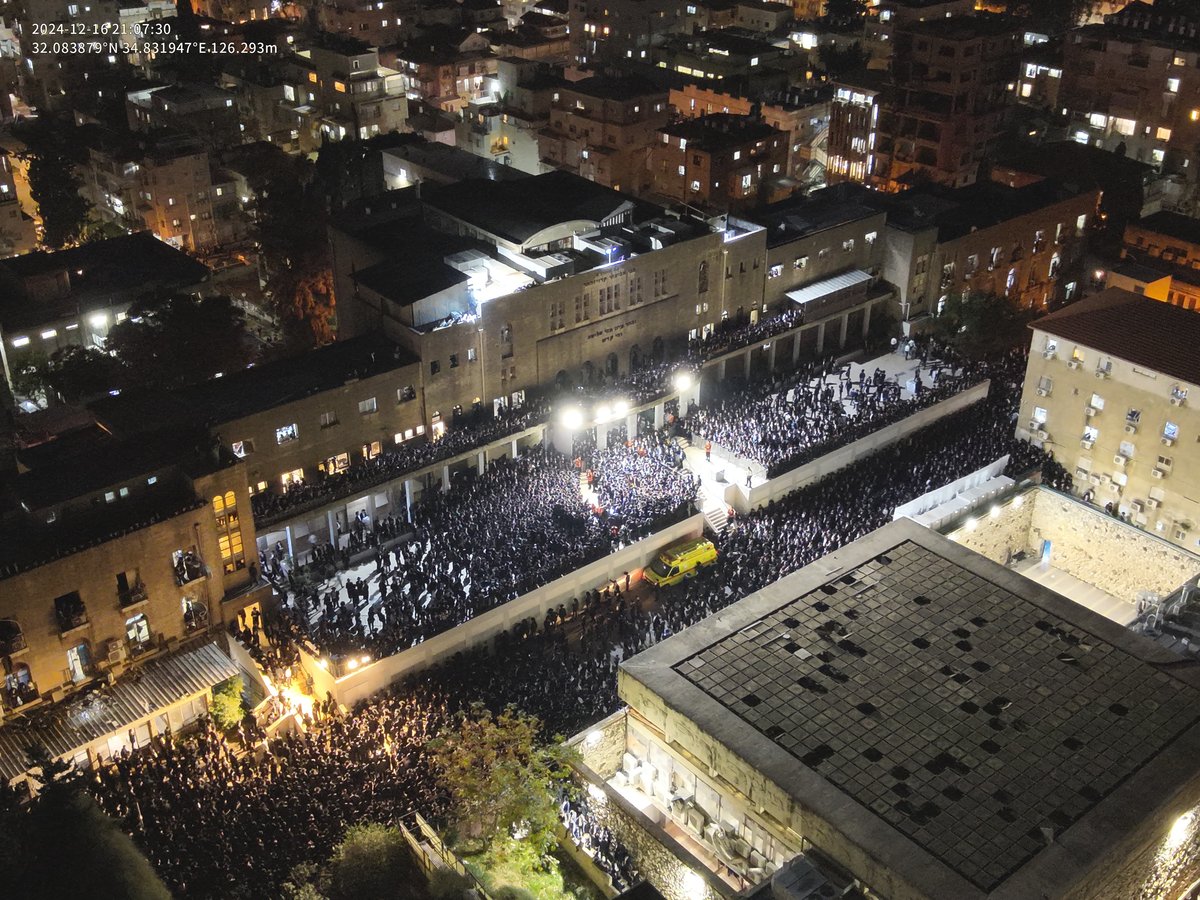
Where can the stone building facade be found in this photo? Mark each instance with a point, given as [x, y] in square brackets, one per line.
[1109, 390]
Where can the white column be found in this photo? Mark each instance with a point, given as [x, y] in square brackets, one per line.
[482, 461]
[721, 370]
[771, 357]
[408, 497]
[287, 530]
[796, 346]
[845, 329]
[515, 449]
[660, 415]
[602, 436]
[867, 320]
[631, 425]
[445, 478]
[820, 338]
[746, 363]
[331, 519]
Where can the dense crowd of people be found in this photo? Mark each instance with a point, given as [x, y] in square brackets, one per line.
[396, 461]
[786, 421]
[220, 826]
[490, 538]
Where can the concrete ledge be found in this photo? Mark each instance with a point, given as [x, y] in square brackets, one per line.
[801, 476]
[373, 677]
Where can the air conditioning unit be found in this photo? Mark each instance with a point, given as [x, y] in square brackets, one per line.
[1048, 354]
[1130, 428]
[1102, 373]
[1120, 460]
[1138, 506]
[116, 652]
[1158, 473]
[1075, 364]
[1090, 411]
[1081, 474]
[1168, 442]
[1086, 444]
[1042, 392]
[1178, 401]
[1114, 489]
[1140, 519]
[1095, 479]
[1043, 434]
[1151, 503]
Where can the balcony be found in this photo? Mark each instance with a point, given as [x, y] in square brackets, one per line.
[70, 613]
[188, 566]
[12, 639]
[135, 595]
[16, 693]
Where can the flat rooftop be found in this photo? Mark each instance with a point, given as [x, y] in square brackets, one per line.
[721, 131]
[939, 711]
[798, 216]
[1171, 224]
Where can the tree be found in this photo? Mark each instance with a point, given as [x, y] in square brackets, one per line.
[837, 61]
[981, 325]
[1057, 16]
[70, 848]
[501, 779]
[227, 703]
[52, 151]
[77, 373]
[373, 862]
[295, 252]
[845, 14]
[178, 340]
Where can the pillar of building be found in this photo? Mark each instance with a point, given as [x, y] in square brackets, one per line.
[516, 449]
[867, 320]
[602, 437]
[660, 415]
[771, 357]
[721, 370]
[820, 338]
[408, 497]
[481, 462]
[631, 425]
[331, 521]
[796, 346]
[445, 478]
[845, 329]
[562, 439]
[287, 530]
[747, 356]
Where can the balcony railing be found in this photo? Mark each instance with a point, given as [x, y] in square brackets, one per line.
[14, 643]
[133, 596]
[18, 695]
[70, 619]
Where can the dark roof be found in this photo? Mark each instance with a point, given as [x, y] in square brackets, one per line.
[721, 131]
[67, 727]
[608, 87]
[1171, 224]
[262, 387]
[451, 162]
[418, 267]
[799, 216]
[965, 28]
[1074, 163]
[121, 266]
[643, 890]
[738, 41]
[959, 211]
[1158, 336]
[516, 210]
[935, 711]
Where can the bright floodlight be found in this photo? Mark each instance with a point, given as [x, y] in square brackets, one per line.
[571, 418]
[603, 412]
[621, 407]
[682, 380]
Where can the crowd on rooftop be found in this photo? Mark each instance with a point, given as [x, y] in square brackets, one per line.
[490, 538]
[216, 825]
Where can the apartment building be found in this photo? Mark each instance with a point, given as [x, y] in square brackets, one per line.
[73, 297]
[208, 114]
[17, 231]
[1167, 236]
[611, 30]
[167, 185]
[720, 161]
[380, 24]
[939, 107]
[509, 130]
[449, 75]
[1025, 243]
[129, 550]
[1133, 83]
[603, 128]
[1109, 390]
[802, 113]
[291, 419]
[350, 91]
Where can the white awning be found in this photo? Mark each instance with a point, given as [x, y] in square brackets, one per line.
[832, 285]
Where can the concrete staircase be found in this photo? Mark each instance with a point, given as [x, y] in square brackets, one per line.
[717, 517]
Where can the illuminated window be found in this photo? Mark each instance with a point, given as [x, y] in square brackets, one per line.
[1173, 85]
[286, 433]
[229, 529]
[368, 406]
[340, 87]
[312, 77]
[1163, 134]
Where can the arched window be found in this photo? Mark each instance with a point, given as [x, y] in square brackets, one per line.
[635, 357]
[702, 277]
[612, 365]
[657, 349]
